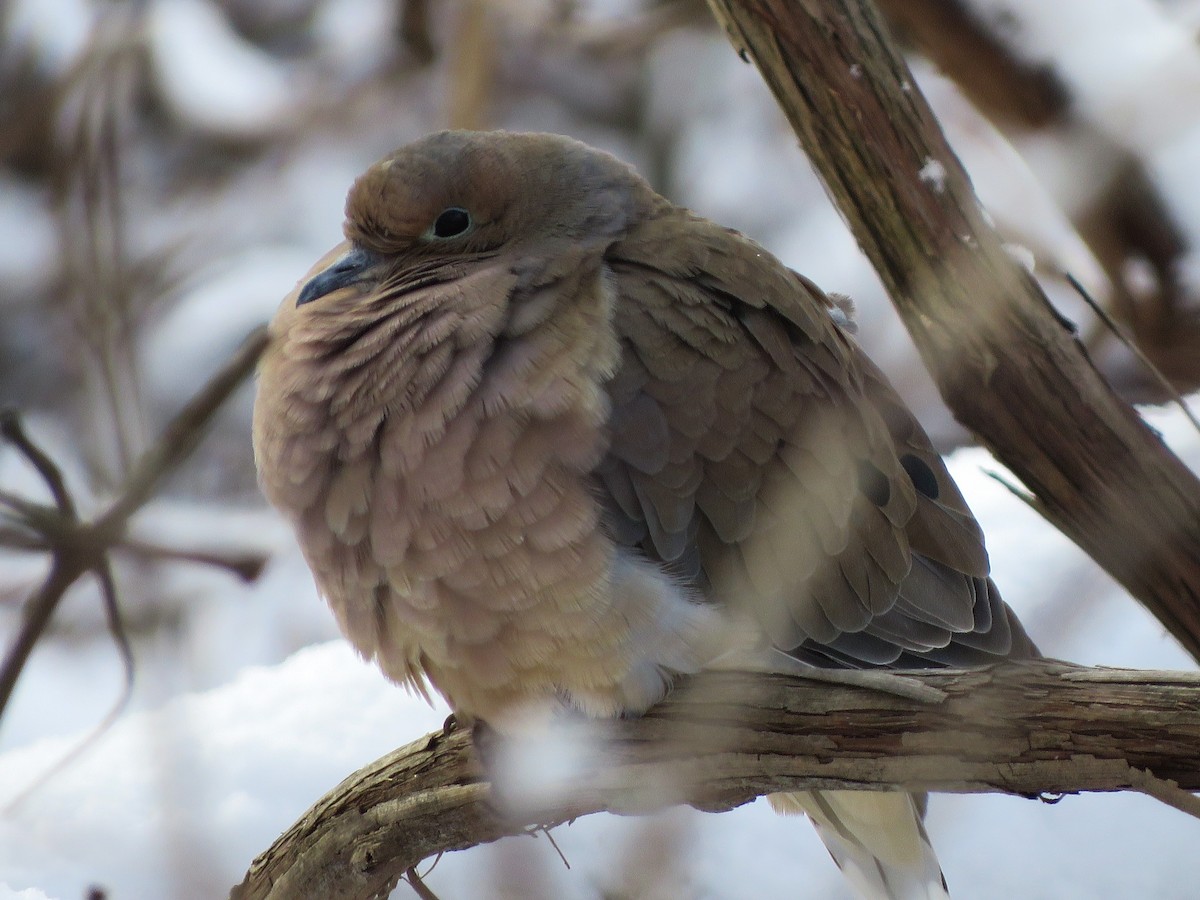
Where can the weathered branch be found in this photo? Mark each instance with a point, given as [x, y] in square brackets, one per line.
[724, 738]
[77, 547]
[1129, 216]
[955, 36]
[1007, 366]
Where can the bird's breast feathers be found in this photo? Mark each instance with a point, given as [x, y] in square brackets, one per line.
[442, 489]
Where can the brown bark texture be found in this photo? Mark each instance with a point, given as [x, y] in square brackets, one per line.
[1009, 368]
[723, 739]
[1128, 217]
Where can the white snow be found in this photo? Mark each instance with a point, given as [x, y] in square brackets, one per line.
[188, 793]
[214, 79]
[28, 249]
[933, 173]
[54, 32]
[355, 33]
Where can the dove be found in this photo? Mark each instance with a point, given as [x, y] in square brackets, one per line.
[550, 441]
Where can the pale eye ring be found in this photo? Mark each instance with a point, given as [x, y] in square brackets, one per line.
[451, 222]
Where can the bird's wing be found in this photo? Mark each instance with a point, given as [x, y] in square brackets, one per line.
[757, 453]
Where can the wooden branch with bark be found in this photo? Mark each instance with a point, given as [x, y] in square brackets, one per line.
[722, 739]
[1128, 217]
[1010, 369]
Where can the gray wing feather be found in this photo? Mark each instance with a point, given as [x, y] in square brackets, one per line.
[757, 452]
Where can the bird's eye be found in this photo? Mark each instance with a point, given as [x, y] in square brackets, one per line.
[451, 222]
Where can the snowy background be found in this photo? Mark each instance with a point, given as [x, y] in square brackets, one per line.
[169, 168]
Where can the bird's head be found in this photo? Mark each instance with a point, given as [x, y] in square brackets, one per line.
[455, 196]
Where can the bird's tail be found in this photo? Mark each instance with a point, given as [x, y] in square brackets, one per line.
[877, 838]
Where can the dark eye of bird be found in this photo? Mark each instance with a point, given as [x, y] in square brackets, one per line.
[452, 222]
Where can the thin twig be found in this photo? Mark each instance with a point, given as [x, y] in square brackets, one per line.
[14, 433]
[1013, 488]
[182, 433]
[545, 829]
[244, 566]
[873, 680]
[433, 865]
[1132, 347]
[1165, 791]
[420, 888]
[20, 539]
[37, 612]
[16, 502]
[116, 625]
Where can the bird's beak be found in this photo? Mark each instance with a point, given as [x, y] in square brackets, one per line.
[350, 268]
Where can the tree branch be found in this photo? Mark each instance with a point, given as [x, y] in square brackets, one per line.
[722, 739]
[1008, 367]
[970, 50]
[1129, 216]
[77, 547]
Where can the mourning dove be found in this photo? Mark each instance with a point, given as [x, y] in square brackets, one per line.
[549, 440]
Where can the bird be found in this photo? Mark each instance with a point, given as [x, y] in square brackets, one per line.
[550, 442]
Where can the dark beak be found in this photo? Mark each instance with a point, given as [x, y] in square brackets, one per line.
[353, 267]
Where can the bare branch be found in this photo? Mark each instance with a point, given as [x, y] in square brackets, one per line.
[244, 565]
[116, 622]
[183, 433]
[14, 433]
[953, 35]
[35, 616]
[78, 547]
[1129, 217]
[413, 30]
[723, 739]
[1005, 364]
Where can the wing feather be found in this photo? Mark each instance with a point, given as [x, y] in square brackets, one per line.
[757, 450]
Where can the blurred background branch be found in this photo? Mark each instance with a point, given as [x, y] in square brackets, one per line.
[1129, 222]
[78, 547]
